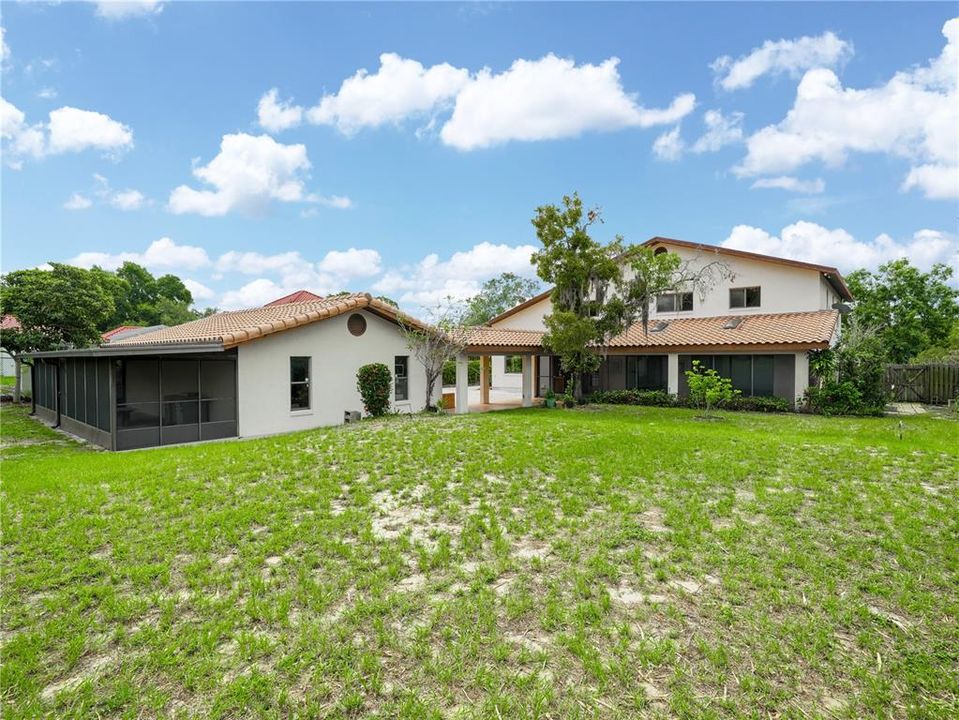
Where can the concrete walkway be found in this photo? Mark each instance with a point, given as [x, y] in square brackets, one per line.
[905, 408]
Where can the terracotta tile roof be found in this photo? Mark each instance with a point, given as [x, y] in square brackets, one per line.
[296, 297]
[805, 329]
[117, 330]
[9, 322]
[234, 328]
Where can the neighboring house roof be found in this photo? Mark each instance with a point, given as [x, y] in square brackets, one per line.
[128, 331]
[296, 297]
[118, 330]
[797, 330]
[831, 274]
[230, 329]
[9, 322]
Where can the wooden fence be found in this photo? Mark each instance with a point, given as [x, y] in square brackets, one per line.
[932, 383]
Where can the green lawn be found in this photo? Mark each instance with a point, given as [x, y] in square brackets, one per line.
[598, 562]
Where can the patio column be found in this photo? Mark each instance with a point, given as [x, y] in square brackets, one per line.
[486, 363]
[672, 373]
[802, 377]
[462, 384]
[527, 380]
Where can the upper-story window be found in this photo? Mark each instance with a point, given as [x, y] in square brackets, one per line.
[745, 297]
[674, 302]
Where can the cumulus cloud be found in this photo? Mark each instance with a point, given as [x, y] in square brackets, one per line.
[246, 175]
[4, 48]
[69, 130]
[399, 89]
[351, 263]
[781, 56]
[78, 202]
[721, 130]
[432, 280]
[275, 115]
[198, 290]
[127, 200]
[915, 115]
[792, 184]
[162, 254]
[261, 291]
[669, 146]
[811, 242]
[124, 9]
[548, 99]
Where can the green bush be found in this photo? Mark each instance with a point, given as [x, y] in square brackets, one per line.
[375, 384]
[840, 398]
[758, 403]
[657, 398]
[708, 389]
[473, 372]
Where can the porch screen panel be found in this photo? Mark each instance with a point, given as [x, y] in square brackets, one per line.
[103, 394]
[90, 381]
[741, 373]
[217, 399]
[138, 403]
[180, 404]
[62, 371]
[763, 374]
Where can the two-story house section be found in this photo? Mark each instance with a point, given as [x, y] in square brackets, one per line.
[754, 324]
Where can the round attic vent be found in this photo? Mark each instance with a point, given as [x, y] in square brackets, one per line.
[660, 250]
[356, 324]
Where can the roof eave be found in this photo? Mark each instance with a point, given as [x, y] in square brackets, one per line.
[112, 350]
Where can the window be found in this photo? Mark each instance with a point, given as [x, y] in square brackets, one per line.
[746, 297]
[401, 377]
[299, 383]
[674, 302]
[514, 363]
[356, 324]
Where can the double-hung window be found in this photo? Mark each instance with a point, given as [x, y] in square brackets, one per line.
[299, 383]
[674, 302]
[744, 297]
[401, 377]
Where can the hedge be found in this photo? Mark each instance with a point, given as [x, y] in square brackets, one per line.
[661, 398]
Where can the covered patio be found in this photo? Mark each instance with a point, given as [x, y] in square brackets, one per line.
[486, 342]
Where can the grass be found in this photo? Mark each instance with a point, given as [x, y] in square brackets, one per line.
[599, 562]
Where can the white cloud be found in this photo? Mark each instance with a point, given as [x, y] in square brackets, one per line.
[261, 291]
[792, 184]
[836, 247]
[781, 56]
[246, 175]
[548, 99]
[915, 115]
[399, 89]
[432, 280]
[275, 115]
[19, 139]
[253, 263]
[720, 131]
[47, 93]
[4, 48]
[339, 202]
[198, 290]
[160, 254]
[123, 9]
[351, 263]
[127, 200]
[73, 130]
[669, 146]
[78, 202]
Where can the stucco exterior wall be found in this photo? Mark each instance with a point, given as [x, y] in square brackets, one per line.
[529, 318]
[503, 379]
[263, 374]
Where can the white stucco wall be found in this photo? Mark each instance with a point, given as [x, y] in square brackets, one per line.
[263, 373]
[503, 379]
[529, 318]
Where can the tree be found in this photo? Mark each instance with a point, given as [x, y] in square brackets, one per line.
[582, 271]
[947, 352]
[708, 389]
[498, 295]
[375, 382]
[656, 272]
[60, 307]
[141, 299]
[911, 310]
[388, 300]
[434, 346]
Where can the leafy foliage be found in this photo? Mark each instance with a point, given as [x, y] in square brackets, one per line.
[661, 398]
[855, 385]
[435, 346]
[707, 388]
[582, 271]
[911, 310]
[375, 384]
[473, 372]
[498, 295]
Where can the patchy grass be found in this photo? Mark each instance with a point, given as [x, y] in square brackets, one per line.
[594, 562]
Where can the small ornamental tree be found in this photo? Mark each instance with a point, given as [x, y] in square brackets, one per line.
[374, 382]
[708, 389]
[436, 345]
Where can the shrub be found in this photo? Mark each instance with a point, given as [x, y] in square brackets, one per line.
[473, 372]
[708, 389]
[839, 398]
[856, 385]
[656, 398]
[758, 403]
[375, 382]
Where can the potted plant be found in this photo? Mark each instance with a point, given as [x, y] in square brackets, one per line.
[569, 401]
[550, 399]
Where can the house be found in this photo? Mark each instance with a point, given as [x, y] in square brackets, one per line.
[127, 331]
[755, 325]
[8, 366]
[260, 371]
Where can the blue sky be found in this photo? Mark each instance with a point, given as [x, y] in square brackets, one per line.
[407, 145]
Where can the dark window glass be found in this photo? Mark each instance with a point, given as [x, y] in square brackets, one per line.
[217, 378]
[741, 373]
[763, 373]
[673, 302]
[222, 410]
[90, 373]
[103, 394]
[752, 297]
[744, 297]
[185, 412]
[179, 379]
[514, 363]
[137, 381]
[722, 365]
[401, 381]
[685, 301]
[299, 383]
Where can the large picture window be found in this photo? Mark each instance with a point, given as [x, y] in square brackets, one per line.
[745, 297]
[299, 383]
[674, 302]
[401, 377]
